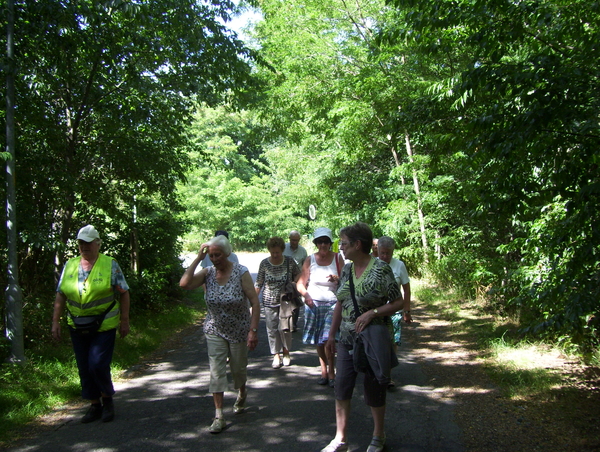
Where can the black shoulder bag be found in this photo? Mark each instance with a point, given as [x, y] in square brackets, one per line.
[359, 356]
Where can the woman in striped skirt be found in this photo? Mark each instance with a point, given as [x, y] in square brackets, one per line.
[318, 284]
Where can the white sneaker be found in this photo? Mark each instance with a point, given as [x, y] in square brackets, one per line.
[377, 444]
[286, 359]
[218, 425]
[276, 362]
[335, 446]
[240, 403]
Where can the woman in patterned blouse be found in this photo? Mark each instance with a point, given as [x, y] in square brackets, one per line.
[378, 297]
[272, 275]
[230, 329]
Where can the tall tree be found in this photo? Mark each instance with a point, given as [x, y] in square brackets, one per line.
[105, 93]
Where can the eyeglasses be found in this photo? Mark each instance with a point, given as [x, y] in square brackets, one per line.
[321, 242]
[342, 243]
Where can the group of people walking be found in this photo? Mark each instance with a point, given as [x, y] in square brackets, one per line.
[348, 299]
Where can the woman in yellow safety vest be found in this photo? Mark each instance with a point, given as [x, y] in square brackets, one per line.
[94, 291]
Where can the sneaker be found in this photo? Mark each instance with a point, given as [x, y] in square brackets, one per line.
[323, 381]
[93, 413]
[218, 425]
[286, 359]
[240, 403]
[276, 362]
[335, 446]
[108, 412]
[377, 444]
[332, 383]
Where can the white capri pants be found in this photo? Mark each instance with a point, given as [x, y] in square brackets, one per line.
[218, 351]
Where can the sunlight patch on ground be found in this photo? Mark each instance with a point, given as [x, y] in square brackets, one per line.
[529, 357]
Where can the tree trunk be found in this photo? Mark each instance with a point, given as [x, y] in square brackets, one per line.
[14, 297]
[419, 201]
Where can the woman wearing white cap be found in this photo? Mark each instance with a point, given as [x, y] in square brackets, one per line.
[97, 305]
[318, 284]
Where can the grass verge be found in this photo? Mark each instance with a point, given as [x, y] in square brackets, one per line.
[49, 379]
[539, 378]
[521, 367]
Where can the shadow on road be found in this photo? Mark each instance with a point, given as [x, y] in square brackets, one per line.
[167, 408]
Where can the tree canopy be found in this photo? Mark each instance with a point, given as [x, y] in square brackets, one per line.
[466, 130]
[106, 91]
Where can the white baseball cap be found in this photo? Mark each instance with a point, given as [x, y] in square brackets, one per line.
[88, 233]
[322, 232]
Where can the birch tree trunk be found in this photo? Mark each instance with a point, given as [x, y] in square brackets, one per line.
[419, 200]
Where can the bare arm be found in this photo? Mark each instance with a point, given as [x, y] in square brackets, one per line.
[385, 310]
[59, 307]
[339, 264]
[251, 293]
[125, 304]
[190, 279]
[406, 306]
[302, 283]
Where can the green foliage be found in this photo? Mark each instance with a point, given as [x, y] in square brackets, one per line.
[47, 378]
[523, 110]
[498, 102]
[232, 184]
[105, 93]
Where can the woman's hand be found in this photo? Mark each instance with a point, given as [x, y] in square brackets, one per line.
[308, 300]
[330, 345]
[124, 328]
[407, 317]
[252, 340]
[363, 321]
[56, 330]
[203, 251]
[333, 278]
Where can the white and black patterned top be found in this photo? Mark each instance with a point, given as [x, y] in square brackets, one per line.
[228, 307]
[271, 279]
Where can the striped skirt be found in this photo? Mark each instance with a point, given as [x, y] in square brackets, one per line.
[317, 321]
[397, 324]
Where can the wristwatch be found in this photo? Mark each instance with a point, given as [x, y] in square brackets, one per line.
[375, 311]
[254, 329]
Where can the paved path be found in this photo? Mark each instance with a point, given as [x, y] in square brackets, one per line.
[167, 408]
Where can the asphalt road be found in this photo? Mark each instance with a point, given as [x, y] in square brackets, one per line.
[166, 407]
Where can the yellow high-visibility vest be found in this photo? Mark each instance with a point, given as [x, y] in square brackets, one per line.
[95, 296]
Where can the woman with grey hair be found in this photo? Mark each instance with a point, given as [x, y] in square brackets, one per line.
[230, 328]
[386, 251]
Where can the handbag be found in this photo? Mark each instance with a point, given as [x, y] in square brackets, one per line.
[289, 292]
[379, 334]
[90, 323]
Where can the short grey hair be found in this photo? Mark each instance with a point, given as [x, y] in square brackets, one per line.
[222, 242]
[386, 242]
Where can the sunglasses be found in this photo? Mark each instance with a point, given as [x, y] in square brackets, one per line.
[322, 241]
